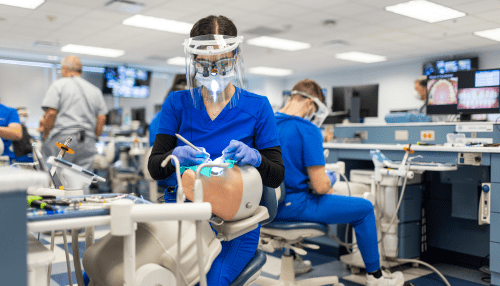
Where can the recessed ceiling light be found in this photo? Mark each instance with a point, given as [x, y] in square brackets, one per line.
[425, 11]
[95, 51]
[159, 24]
[360, 57]
[270, 71]
[279, 44]
[29, 4]
[492, 34]
[178, 61]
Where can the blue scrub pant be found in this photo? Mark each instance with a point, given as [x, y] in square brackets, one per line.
[234, 256]
[334, 209]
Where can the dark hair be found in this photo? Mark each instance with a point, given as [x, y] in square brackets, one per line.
[422, 81]
[179, 83]
[217, 25]
[310, 87]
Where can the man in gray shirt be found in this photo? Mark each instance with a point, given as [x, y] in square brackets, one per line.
[73, 107]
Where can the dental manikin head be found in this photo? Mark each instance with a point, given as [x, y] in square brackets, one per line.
[234, 194]
[307, 101]
[214, 64]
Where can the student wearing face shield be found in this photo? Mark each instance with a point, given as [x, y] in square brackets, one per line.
[221, 118]
[302, 148]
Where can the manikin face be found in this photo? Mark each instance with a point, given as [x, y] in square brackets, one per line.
[421, 90]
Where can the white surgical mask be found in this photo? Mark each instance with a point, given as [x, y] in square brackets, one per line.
[216, 83]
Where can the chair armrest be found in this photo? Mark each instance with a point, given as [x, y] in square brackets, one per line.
[231, 230]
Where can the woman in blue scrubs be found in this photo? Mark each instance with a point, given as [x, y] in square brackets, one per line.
[302, 148]
[217, 114]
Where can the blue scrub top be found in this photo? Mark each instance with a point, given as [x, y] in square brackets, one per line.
[8, 115]
[301, 147]
[250, 121]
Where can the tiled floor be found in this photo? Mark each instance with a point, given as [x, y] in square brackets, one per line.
[322, 266]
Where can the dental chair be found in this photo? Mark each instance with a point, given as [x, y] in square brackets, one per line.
[290, 235]
[155, 256]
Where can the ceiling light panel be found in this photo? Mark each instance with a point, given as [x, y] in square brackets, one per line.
[29, 4]
[425, 11]
[270, 71]
[94, 51]
[279, 44]
[492, 34]
[360, 57]
[178, 61]
[159, 24]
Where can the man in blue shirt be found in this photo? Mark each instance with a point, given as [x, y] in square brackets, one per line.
[10, 129]
[302, 151]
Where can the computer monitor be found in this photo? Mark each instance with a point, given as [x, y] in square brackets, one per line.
[450, 66]
[364, 95]
[139, 114]
[114, 117]
[126, 82]
[468, 92]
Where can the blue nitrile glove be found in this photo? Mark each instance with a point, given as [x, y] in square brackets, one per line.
[189, 157]
[242, 153]
[332, 176]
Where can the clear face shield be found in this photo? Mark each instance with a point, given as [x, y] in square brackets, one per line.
[320, 112]
[214, 69]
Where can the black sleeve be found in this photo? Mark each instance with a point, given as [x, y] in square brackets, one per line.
[164, 145]
[271, 168]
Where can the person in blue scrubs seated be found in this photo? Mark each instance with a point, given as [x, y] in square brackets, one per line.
[10, 129]
[302, 148]
[220, 117]
[179, 83]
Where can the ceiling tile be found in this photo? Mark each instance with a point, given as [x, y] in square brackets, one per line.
[52, 8]
[350, 9]
[254, 5]
[14, 11]
[491, 15]
[478, 6]
[318, 5]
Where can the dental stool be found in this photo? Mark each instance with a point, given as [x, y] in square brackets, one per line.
[290, 235]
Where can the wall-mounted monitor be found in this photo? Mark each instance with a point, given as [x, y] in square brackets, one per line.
[368, 95]
[126, 82]
[471, 92]
[450, 66]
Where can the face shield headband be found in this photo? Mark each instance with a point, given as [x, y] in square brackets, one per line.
[212, 63]
[319, 116]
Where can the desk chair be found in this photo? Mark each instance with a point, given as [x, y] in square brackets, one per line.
[289, 235]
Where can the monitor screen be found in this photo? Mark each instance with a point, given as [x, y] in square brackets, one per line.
[472, 92]
[368, 95]
[444, 67]
[114, 117]
[126, 82]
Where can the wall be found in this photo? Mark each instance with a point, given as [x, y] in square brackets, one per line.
[25, 86]
[395, 79]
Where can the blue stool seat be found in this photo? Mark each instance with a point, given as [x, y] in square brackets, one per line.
[251, 270]
[293, 225]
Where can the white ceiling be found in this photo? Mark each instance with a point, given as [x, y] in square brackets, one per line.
[362, 23]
